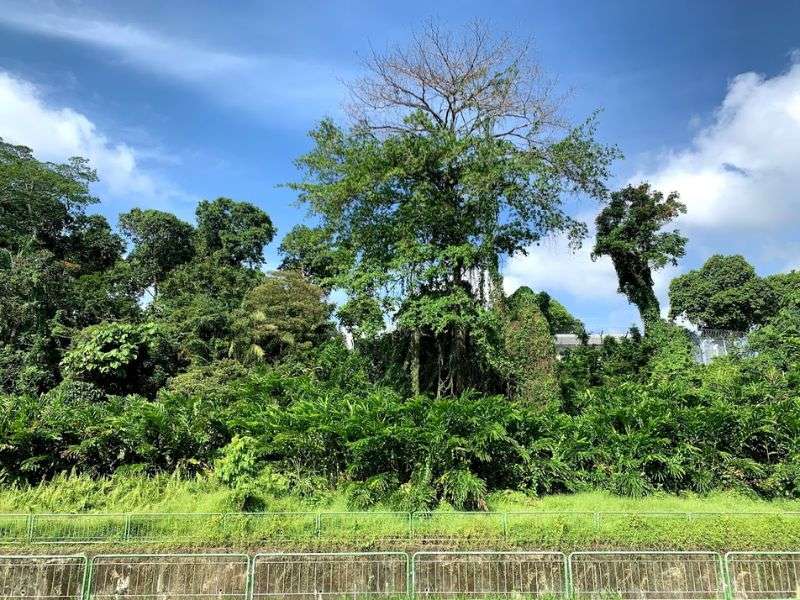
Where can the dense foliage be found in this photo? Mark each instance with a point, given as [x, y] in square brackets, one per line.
[165, 347]
[725, 293]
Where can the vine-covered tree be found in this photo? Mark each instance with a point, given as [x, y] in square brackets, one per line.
[630, 231]
[528, 349]
[457, 159]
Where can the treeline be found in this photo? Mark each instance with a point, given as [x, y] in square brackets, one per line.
[162, 345]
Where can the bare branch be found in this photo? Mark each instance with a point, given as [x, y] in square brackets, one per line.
[469, 83]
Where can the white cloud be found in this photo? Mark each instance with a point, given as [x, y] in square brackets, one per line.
[741, 172]
[56, 134]
[555, 268]
[281, 86]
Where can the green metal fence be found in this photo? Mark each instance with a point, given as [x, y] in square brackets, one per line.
[83, 528]
[14, 529]
[446, 526]
[529, 528]
[367, 526]
[424, 575]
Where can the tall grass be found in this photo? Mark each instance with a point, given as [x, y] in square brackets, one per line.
[204, 493]
[563, 522]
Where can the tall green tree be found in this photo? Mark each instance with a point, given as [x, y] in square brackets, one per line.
[197, 302]
[786, 288]
[53, 264]
[33, 290]
[725, 293]
[91, 245]
[234, 232]
[630, 231]
[198, 298]
[41, 203]
[161, 242]
[457, 159]
[309, 251]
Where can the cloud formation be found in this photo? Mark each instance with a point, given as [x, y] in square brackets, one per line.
[277, 85]
[56, 134]
[554, 267]
[740, 173]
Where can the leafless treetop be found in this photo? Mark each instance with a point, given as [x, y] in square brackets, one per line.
[469, 82]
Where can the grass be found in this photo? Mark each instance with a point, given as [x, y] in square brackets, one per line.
[559, 522]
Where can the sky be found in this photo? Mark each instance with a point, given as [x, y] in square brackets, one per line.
[176, 102]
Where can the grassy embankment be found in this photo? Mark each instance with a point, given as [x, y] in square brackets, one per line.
[563, 522]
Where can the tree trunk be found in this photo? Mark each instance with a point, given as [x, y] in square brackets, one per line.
[649, 307]
[459, 363]
[415, 361]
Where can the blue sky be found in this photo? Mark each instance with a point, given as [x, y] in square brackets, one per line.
[180, 101]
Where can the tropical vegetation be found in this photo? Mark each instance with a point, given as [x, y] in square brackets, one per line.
[383, 360]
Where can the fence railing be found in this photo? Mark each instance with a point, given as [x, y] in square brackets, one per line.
[396, 575]
[485, 527]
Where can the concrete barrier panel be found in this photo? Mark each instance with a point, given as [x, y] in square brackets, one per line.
[489, 574]
[42, 577]
[318, 575]
[169, 576]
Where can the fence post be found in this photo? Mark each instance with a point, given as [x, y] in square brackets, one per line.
[88, 574]
[568, 576]
[318, 525]
[412, 587]
[251, 562]
[728, 579]
[127, 534]
[505, 526]
[410, 525]
[30, 527]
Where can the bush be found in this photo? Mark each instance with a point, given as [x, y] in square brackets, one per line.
[122, 358]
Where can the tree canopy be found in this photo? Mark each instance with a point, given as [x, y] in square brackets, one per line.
[233, 232]
[282, 314]
[160, 241]
[41, 203]
[725, 293]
